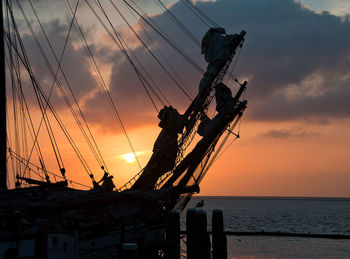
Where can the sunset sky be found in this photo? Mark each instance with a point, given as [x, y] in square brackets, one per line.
[295, 137]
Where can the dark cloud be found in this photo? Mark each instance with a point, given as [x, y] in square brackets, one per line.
[297, 63]
[75, 63]
[287, 134]
[286, 44]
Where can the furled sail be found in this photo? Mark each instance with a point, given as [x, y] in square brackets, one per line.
[218, 49]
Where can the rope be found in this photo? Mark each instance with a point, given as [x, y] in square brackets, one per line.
[22, 101]
[37, 87]
[165, 37]
[122, 45]
[139, 38]
[152, 54]
[22, 160]
[40, 102]
[230, 74]
[178, 23]
[200, 12]
[104, 84]
[189, 6]
[92, 145]
[155, 44]
[217, 155]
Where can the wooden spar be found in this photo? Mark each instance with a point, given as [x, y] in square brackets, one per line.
[192, 160]
[3, 133]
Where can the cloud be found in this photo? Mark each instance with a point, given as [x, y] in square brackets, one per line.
[336, 7]
[297, 62]
[287, 134]
[75, 63]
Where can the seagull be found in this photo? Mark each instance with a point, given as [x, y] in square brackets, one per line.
[200, 204]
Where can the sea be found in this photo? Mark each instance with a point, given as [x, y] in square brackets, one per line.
[281, 227]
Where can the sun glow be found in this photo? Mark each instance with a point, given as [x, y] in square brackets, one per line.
[129, 158]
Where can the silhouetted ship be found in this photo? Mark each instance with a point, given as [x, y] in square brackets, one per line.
[42, 218]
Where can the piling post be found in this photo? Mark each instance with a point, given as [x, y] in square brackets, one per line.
[218, 236]
[202, 240]
[40, 244]
[190, 232]
[172, 240]
[129, 251]
[11, 253]
[198, 241]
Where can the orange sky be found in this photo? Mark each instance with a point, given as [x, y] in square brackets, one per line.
[294, 137]
[254, 165]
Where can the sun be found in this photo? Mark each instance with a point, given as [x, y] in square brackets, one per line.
[132, 156]
[129, 158]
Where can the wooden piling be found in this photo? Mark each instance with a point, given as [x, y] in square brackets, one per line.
[172, 250]
[190, 232]
[202, 235]
[198, 241]
[129, 251]
[40, 244]
[218, 236]
[11, 253]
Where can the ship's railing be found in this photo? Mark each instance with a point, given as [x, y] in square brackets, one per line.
[131, 182]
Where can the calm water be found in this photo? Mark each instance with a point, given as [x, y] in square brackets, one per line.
[287, 215]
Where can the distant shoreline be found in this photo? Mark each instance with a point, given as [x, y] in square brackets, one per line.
[274, 198]
[281, 234]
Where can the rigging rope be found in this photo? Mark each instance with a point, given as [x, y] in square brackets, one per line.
[27, 164]
[217, 153]
[230, 74]
[195, 13]
[151, 53]
[91, 143]
[178, 23]
[20, 90]
[22, 101]
[200, 13]
[121, 44]
[139, 38]
[155, 44]
[104, 84]
[39, 99]
[38, 88]
[164, 36]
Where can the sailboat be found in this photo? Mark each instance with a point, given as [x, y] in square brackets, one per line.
[46, 218]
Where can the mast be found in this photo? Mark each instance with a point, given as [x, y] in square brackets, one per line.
[3, 133]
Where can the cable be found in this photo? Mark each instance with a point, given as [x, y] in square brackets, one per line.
[178, 23]
[121, 44]
[36, 86]
[165, 37]
[151, 53]
[202, 13]
[22, 101]
[104, 85]
[22, 160]
[195, 13]
[92, 145]
[155, 44]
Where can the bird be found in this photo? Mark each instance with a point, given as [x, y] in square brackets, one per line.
[200, 204]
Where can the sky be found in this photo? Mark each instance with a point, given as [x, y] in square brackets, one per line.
[295, 136]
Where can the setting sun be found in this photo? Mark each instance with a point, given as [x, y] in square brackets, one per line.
[129, 158]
